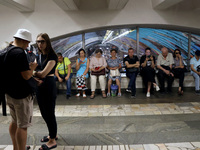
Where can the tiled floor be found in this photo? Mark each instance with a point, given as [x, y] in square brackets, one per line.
[129, 109]
[122, 110]
[161, 146]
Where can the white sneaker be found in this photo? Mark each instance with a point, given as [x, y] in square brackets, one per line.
[157, 88]
[148, 94]
[108, 94]
[84, 96]
[77, 95]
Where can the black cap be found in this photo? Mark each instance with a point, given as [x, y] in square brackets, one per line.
[197, 53]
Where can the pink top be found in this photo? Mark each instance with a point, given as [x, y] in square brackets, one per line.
[94, 62]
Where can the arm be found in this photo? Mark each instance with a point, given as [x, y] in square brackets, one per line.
[192, 68]
[29, 73]
[104, 65]
[77, 65]
[87, 68]
[68, 72]
[57, 75]
[164, 70]
[153, 62]
[46, 70]
[144, 63]
[136, 65]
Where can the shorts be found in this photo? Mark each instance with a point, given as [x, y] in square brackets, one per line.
[21, 110]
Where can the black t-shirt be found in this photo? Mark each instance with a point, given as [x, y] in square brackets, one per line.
[131, 61]
[42, 61]
[16, 62]
[149, 62]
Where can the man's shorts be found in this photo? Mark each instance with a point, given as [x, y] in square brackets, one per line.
[21, 110]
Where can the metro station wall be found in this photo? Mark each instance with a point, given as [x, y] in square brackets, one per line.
[49, 18]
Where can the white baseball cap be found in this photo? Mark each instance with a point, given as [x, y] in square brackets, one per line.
[23, 34]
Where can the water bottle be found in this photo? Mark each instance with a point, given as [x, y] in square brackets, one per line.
[114, 89]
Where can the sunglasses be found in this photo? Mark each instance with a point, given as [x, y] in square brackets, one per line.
[177, 53]
[40, 41]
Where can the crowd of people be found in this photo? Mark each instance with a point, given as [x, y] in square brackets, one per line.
[40, 75]
[168, 66]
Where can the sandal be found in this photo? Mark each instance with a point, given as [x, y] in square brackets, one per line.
[46, 139]
[92, 96]
[45, 147]
[104, 95]
[84, 96]
[28, 147]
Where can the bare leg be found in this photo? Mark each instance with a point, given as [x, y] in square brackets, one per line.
[119, 86]
[83, 92]
[149, 87]
[21, 137]
[109, 84]
[12, 130]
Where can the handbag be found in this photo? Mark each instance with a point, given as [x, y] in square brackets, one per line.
[114, 73]
[102, 72]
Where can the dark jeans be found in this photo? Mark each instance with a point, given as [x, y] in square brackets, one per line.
[68, 82]
[162, 76]
[131, 85]
[180, 74]
[46, 97]
[148, 75]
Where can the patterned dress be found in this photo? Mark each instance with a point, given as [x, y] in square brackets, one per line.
[113, 63]
[80, 78]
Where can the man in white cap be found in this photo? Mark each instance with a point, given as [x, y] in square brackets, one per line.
[18, 91]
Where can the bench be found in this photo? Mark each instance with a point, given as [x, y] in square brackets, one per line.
[188, 82]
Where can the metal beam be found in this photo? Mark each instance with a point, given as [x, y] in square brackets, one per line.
[138, 42]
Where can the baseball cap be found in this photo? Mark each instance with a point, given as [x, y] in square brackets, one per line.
[23, 34]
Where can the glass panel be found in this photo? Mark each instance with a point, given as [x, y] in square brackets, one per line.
[68, 47]
[120, 39]
[195, 44]
[157, 38]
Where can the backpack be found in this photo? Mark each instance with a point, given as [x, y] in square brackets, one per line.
[3, 55]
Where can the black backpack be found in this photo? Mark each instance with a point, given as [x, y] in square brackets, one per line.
[3, 55]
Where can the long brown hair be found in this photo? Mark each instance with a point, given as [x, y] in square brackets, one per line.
[49, 49]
